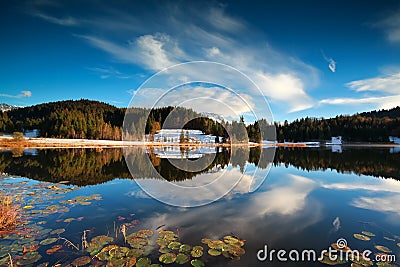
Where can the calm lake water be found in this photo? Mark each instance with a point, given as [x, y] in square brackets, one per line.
[308, 200]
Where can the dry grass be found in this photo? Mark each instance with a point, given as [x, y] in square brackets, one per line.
[10, 215]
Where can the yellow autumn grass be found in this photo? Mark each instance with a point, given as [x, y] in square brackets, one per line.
[10, 215]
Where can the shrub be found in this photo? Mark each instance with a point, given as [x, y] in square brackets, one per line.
[9, 214]
[18, 136]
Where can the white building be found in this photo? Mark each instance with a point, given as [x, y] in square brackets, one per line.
[336, 140]
[395, 140]
[174, 136]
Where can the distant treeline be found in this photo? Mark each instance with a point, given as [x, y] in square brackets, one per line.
[97, 120]
[374, 126]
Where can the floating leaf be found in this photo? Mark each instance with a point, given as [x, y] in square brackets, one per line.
[389, 239]
[135, 253]
[216, 244]
[164, 250]
[82, 261]
[57, 231]
[197, 251]
[214, 252]
[383, 249]
[144, 233]
[360, 260]
[368, 233]
[174, 245]
[143, 262]
[205, 240]
[68, 220]
[185, 248]
[53, 249]
[197, 263]
[167, 258]
[28, 207]
[28, 259]
[336, 247]
[385, 264]
[48, 241]
[181, 258]
[362, 237]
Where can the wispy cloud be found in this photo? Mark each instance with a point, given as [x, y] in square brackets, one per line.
[66, 21]
[386, 89]
[204, 32]
[20, 95]
[109, 72]
[389, 84]
[391, 26]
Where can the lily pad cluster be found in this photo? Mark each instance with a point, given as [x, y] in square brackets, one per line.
[37, 242]
[381, 252]
[230, 247]
[37, 200]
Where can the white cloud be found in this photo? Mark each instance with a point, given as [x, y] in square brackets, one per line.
[285, 88]
[285, 200]
[389, 84]
[158, 51]
[20, 95]
[384, 102]
[204, 32]
[386, 89]
[391, 26]
[67, 21]
[109, 72]
[381, 204]
[202, 99]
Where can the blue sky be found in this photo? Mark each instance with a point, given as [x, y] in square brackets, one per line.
[308, 58]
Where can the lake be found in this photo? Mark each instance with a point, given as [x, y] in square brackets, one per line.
[77, 203]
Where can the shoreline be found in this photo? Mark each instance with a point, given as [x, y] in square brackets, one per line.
[9, 143]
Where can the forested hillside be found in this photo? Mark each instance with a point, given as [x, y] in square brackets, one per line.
[97, 120]
[374, 126]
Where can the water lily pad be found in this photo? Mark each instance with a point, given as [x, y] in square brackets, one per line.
[174, 245]
[155, 265]
[368, 233]
[185, 248]
[336, 247]
[134, 253]
[68, 220]
[164, 250]
[167, 258]
[82, 261]
[205, 240]
[197, 263]
[181, 258]
[197, 251]
[362, 237]
[385, 264]
[29, 259]
[57, 231]
[389, 239]
[361, 260]
[118, 252]
[143, 262]
[214, 252]
[53, 249]
[144, 233]
[383, 249]
[215, 244]
[237, 251]
[48, 241]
